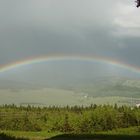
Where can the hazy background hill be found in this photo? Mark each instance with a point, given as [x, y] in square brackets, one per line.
[109, 89]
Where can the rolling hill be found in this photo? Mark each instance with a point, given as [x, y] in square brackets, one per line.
[103, 90]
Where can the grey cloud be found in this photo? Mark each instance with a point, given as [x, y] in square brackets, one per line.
[33, 27]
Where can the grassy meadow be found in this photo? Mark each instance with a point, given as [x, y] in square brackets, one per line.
[131, 133]
[63, 97]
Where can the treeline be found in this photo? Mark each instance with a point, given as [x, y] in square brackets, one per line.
[68, 119]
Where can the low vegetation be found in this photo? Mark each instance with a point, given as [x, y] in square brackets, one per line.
[68, 119]
[55, 123]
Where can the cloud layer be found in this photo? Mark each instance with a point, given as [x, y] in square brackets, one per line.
[33, 28]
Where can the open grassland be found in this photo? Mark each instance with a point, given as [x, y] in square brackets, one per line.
[132, 133]
[30, 134]
[61, 97]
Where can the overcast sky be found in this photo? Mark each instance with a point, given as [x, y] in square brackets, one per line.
[108, 28]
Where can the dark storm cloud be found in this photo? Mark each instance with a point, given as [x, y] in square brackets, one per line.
[33, 27]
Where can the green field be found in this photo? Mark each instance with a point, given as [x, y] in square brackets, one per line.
[61, 97]
[30, 134]
[105, 90]
[131, 133]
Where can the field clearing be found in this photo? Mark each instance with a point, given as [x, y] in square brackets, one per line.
[31, 135]
[132, 133]
[58, 97]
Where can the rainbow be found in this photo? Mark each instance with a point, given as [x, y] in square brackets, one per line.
[89, 58]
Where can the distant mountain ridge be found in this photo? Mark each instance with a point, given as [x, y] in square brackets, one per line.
[101, 86]
[110, 86]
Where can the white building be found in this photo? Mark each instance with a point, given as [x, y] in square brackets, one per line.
[137, 105]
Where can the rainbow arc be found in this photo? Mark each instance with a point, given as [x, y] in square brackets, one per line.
[51, 58]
